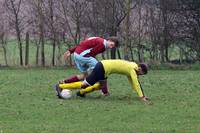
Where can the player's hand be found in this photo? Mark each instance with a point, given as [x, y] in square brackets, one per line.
[105, 94]
[61, 81]
[144, 98]
[67, 54]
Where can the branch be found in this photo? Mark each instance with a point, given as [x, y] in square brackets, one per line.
[19, 6]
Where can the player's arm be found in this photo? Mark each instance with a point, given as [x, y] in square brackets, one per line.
[136, 85]
[69, 52]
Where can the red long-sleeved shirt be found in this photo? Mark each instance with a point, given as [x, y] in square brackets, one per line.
[96, 44]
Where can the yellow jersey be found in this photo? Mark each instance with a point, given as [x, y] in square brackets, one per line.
[126, 68]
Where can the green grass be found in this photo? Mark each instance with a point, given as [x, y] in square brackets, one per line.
[28, 104]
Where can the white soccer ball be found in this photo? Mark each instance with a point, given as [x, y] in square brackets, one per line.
[66, 94]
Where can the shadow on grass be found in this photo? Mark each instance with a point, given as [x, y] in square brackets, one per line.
[110, 98]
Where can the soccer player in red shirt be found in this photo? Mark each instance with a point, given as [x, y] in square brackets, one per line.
[84, 57]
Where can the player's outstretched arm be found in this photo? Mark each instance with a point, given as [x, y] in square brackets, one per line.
[67, 54]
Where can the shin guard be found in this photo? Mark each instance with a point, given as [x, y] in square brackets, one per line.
[74, 85]
[90, 88]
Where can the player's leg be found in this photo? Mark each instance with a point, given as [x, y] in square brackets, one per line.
[104, 88]
[74, 78]
[90, 89]
[91, 79]
[74, 85]
[79, 84]
[79, 61]
[59, 87]
[88, 85]
[96, 75]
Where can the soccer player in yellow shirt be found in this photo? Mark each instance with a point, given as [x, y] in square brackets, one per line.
[101, 72]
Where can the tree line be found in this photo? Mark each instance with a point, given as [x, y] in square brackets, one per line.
[145, 27]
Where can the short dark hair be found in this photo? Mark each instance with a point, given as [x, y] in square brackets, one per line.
[114, 39]
[144, 67]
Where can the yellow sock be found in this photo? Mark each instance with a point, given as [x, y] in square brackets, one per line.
[74, 85]
[90, 88]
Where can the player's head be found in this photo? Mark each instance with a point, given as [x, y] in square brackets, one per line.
[142, 69]
[112, 42]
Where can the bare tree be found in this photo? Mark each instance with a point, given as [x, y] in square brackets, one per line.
[117, 12]
[73, 16]
[14, 7]
[3, 42]
[42, 30]
[51, 22]
[150, 27]
[127, 29]
[140, 47]
[27, 49]
[4, 30]
[159, 21]
[154, 33]
[37, 6]
[188, 27]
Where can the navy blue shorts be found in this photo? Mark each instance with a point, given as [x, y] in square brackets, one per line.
[97, 74]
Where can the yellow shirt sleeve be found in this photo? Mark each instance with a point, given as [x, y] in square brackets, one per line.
[135, 83]
[125, 68]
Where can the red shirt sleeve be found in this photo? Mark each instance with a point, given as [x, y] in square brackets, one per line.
[71, 50]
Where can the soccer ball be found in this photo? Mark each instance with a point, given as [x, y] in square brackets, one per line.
[66, 94]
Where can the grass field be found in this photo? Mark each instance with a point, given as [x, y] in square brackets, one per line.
[28, 104]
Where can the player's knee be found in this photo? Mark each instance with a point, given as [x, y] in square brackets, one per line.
[84, 85]
[82, 76]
